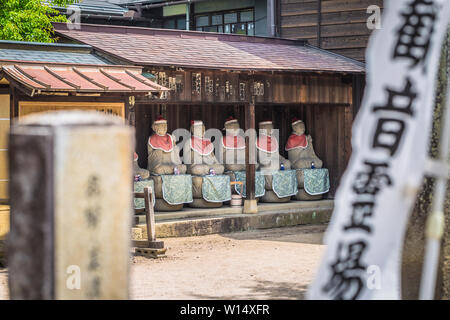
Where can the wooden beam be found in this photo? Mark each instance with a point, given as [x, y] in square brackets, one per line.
[319, 23]
[147, 83]
[27, 90]
[73, 98]
[45, 85]
[5, 89]
[149, 215]
[106, 74]
[348, 120]
[130, 106]
[278, 19]
[14, 105]
[250, 205]
[81, 74]
[57, 76]
[151, 241]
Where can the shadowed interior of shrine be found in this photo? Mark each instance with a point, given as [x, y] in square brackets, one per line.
[328, 124]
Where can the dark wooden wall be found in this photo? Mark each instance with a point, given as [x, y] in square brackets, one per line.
[329, 125]
[180, 116]
[330, 128]
[323, 101]
[207, 86]
[336, 25]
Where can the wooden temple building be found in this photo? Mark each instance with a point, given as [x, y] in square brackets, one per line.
[340, 26]
[37, 77]
[212, 76]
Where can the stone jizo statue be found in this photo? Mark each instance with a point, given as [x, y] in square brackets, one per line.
[300, 148]
[270, 160]
[201, 152]
[269, 157]
[163, 153]
[233, 146]
[302, 156]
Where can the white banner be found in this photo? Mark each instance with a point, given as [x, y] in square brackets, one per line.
[390, 142]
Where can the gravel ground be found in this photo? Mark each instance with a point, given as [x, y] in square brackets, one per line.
[263, 264]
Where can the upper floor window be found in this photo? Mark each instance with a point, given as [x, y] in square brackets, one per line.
[237, 22]
[177, 22]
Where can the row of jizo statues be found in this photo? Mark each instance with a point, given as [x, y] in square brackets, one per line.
[200, 159]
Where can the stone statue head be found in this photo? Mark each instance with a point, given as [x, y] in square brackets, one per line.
[231, 126]
[266, 127]
[197, 128]
[160, 126]
[298, 126]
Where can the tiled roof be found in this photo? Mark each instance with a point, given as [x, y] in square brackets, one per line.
[97, 6]
[40, 77]
[49, 52]
[49, 56]
[158, 47]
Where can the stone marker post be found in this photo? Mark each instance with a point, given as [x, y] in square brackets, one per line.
[71, 206]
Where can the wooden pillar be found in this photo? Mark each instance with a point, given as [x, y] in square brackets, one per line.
[250, 205]
[348, 123]
[14, 105]
[130, 114]
[319, 23]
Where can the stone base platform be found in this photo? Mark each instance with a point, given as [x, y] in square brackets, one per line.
[196, 222]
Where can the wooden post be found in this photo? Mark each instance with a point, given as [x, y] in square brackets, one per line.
[348, 124]
[14, 105]
[250, 205]
[149, 215]
[130, 110]
[150, 248]
[319, 23]
[71, 176]
[150, 221]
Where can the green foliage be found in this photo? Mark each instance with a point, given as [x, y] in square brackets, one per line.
[29, 20]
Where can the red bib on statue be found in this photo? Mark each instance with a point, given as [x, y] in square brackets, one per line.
[202, 146]
[233, 142]
[164, 143]
[267, 143]
[296, 141]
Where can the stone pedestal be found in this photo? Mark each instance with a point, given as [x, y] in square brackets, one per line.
[70, 206]
[201, 203]
[250, 206]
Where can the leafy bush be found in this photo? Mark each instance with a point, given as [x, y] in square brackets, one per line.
[30, 20]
